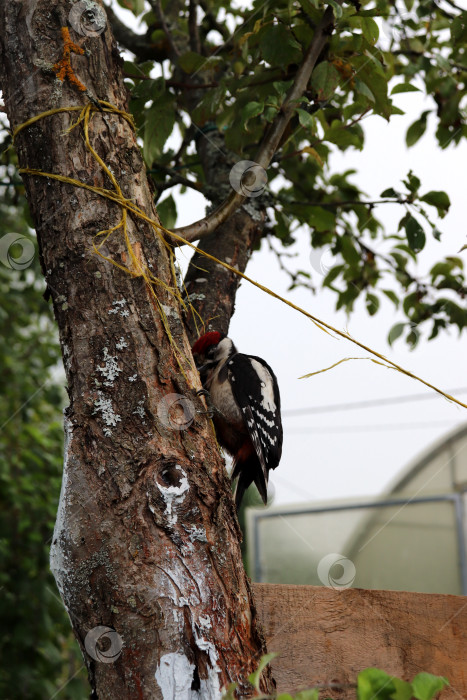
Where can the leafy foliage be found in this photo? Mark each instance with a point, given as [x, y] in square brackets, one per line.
[371, 683]
[230, 75]
[236, 82]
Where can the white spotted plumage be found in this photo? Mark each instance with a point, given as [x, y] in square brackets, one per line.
[246, 397]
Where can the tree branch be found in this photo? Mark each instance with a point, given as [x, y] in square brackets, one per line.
[157, 9]
[138, 44]
[176, 179]
[273, 135]
[195, 44]
[346, 202]
[213, 23]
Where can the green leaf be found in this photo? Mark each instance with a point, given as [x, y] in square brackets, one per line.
[229, 692]
[343, 138]
[395, 332]
[416, 130]
[336, 7]
[416, 45]
[370, 71]
[282, 86]
[438, 199]
[403, 689]
[425, 685]
[333, 273]
[321, 219]
[412, 182]
[348, 251]
[324, 80]
[209, 106]
[404, 87]
[368, 26]
[255, 677]
[415, 234]
[406, 249]
[370, 30]
[311, 694]
[251, 110]
[191, 62]
[392, 296]
[373, 683]
[167, 211]
[309, 5]
[390, 192]
[458, 25]
[305, 118]
[159, 122]
[278, 45]
[410, 302]
[148, 89]
[363, 89]
[372, 303]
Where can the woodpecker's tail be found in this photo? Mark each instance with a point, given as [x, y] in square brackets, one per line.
[249, 470]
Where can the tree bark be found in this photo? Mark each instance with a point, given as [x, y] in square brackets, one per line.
[146, 541]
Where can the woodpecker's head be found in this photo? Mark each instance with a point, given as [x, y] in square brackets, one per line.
[212, 348]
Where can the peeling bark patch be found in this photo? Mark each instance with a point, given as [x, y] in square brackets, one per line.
[174, 676]
[196, 533]
[175, 493]
[178, 679]
[58, 563]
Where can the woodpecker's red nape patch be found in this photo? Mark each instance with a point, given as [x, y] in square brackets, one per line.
[205, 342]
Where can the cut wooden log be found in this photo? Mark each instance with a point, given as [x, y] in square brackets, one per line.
[325, 636]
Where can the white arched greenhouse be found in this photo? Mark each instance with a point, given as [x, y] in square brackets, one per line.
[412, 538]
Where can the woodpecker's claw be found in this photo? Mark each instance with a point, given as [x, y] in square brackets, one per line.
[210, 406]
[203, 392]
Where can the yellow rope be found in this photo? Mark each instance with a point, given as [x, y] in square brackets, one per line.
[127, 205]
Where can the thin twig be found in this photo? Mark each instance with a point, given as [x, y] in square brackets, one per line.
[273, 134]
[178, 180]
[195, 44]
[295, 277]
[344, 202]
[138, 44]
[157, 9]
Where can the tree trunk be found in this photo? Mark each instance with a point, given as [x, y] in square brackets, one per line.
[146, 541]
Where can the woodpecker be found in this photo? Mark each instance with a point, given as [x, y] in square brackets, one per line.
[245, 399]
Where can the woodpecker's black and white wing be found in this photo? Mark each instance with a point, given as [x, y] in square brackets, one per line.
[256, 392]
